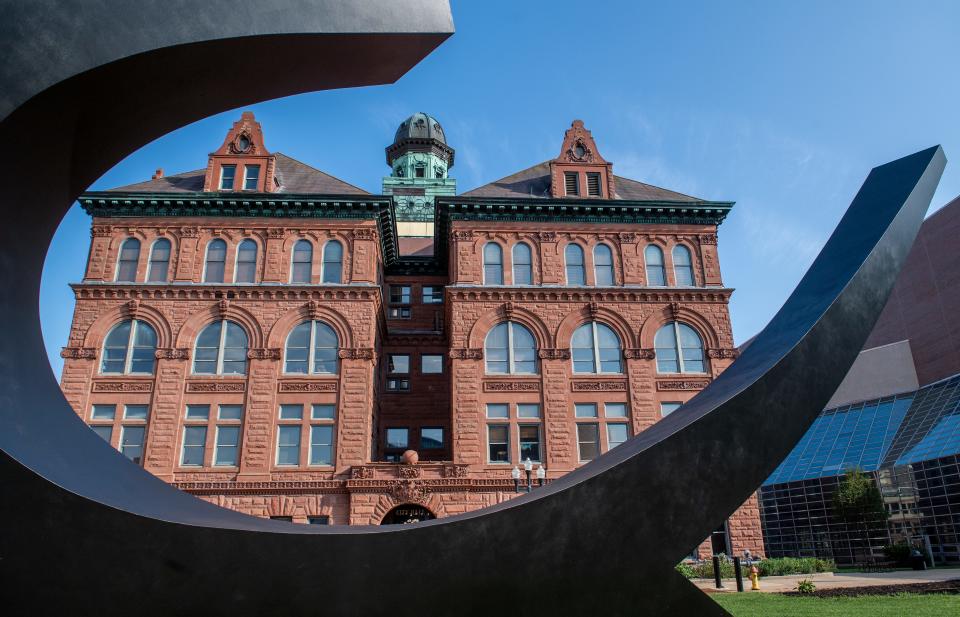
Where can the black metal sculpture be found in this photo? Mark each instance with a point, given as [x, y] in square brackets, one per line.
[85, 532]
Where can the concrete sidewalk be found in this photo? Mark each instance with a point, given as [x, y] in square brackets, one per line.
[830, 580]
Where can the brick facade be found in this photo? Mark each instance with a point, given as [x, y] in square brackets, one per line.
[378, 309]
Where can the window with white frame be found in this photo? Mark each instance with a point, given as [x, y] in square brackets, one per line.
[668, 407]
[653, 256]
[576, 273]
[215, 265]
[221, 349]
[510, 349]
[682, 266]
[159, 269]
[312, 348]
[226, 452]
[316, 429]
[130, 426]
[492, 264]
[603, 433]
[129, 349]
[332, 270]
[246, 271]
[588, 441]
[679, 349]
[596, 349]
[522, 264]
[301, 267]
[194, 447]
[228, 174]
[509, 423]
[251, 175]
[127, 261]
[498, 443]
[603, 265]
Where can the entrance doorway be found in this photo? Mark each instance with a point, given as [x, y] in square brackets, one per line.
[407, 513]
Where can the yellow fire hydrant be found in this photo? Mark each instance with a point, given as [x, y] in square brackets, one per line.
[754, 579]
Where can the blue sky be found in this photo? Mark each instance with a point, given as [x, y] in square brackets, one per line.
[781, 107]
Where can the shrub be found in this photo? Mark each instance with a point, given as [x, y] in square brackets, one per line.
[686, 570]
[768, 567]
[899, 553]
[806, 586]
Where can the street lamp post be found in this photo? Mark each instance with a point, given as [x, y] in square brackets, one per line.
[541, 474]
[528, 469]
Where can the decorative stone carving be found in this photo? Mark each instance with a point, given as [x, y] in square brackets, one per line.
[554, 354]
[455, 471]
[275, 233]
[674, 309]
[462, 235]
[189, 232]
[627, 238]
[123, 386]
[708, 238]
[222, 307]
[101, 231]
[404, 491]
[216, 386]
[593, 308]
[79, 353]
[723, 353]
[507, 310]
[312, 309]
[362, 233]
[547, 236]
[307, 386]
[682, 384]
[172, 354]
[466, 353]
[599, 385]
[511, 386]
[639, 354]
[359, 472]
[408, 471]
[264, 354]
[358, 353]
[132, 308]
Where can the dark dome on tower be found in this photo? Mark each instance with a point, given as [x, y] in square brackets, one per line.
[420, 133]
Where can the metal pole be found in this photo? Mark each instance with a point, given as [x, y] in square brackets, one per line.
[716, 572]
[738, 573]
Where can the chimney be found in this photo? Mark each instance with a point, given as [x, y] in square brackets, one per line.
[158, 174]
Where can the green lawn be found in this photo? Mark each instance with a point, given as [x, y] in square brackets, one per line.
[771, 604]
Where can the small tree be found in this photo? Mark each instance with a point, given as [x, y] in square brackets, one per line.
[858, 503]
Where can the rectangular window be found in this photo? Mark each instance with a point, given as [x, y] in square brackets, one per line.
[291, 412]
[103, 412]
[398, 384]
[572, 182]
[419, 171]
[431, 438]
[585, 410]
[105, 432]
[287, 519]
[588, 441]
[615, 410]
[528, 410]
[321, 445]
[616, 435]
[398, 437]
[431, 364]
[668, 408]
[198, 412]
[131, 442]
[498, 439]
[194, 445]
[135, 412]
[251, 174]
[530, 442]
[432, 295]
[399, 312]
[399, 294]
[230, 412]
[288, 444]
[593, 185]
[399, 364]
[227, 445]
[498, 410]
[318, 520]
[227, 175]
[323, 412]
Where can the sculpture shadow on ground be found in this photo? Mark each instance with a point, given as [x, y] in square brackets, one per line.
[86, 532]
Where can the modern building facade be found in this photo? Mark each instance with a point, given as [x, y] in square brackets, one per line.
[896, 416]
[278, 341]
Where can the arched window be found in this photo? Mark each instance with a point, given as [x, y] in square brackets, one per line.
[596, 349]
[656, 277]
[312, 347]
[129, 348]
[492, 264]
[573, 255]
[246, 262]
[216, 260]
[522, 264]
[510, 348]
[332, 262]
[603, 265]
[159, 262]
[302, 266]
[682, 266]
[127, 260]
[679, 349]
[221, 350]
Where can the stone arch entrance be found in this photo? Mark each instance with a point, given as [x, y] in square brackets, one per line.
[407, 513]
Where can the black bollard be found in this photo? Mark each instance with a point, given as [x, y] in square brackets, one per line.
[716, 572]
[738, 573]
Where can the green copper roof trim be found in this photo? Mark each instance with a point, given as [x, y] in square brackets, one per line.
[268, 205]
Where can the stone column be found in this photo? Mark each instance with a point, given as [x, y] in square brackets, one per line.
[186, 254]
[97, 270]
[261, 415]
[468, 426]
[79, 367]
[641, 385]
[559, 432]
[355, 409]
[273, 258]
[710, 260]
[165, 412]
[631, 257]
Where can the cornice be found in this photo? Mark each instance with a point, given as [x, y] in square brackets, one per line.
[610, 294]
[201, 291]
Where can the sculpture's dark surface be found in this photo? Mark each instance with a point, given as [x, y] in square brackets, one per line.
[85, 532]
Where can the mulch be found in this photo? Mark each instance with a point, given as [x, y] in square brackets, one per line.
[951, 586]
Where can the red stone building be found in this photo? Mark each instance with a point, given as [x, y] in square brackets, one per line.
[273, 339]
